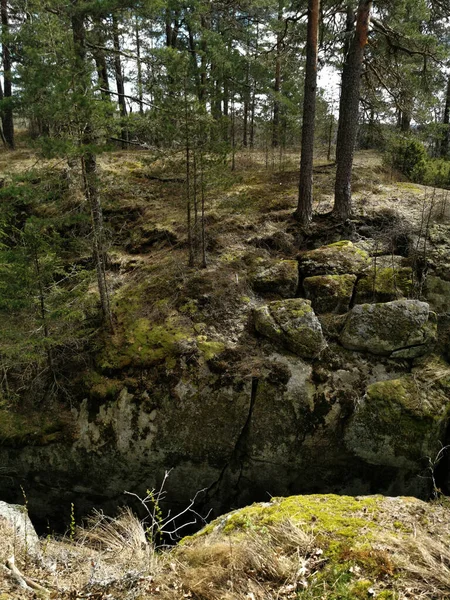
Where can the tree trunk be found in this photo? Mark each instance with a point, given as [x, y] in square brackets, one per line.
[7, 112]
[89, 162]
[305, 195]
[140, 86]
[446, 122]
[119, 78]
[277, 82]
[349, 112]
[100, 60]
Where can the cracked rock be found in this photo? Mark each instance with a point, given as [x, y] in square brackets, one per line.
[292, 324]
[401, 329]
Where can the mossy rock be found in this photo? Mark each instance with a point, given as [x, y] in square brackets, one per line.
[330, 293]
[144, 344]
[400, 329]
[278, 278]
[293, 325]
[399, 423]
[339, 258]
[437, 294]
[349, 547]
[30, 428]
[384, 284]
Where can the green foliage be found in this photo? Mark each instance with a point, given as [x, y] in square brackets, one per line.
[408, 155]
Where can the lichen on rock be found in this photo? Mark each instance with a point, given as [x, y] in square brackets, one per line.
[277, 278]
[292, 324]
[384, 284]
[339, 258]
[401, 329]
[399, 422]
[330, 293]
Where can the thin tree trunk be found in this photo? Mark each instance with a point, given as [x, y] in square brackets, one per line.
[140, 86]
[305, 195]
[446, 122]
[119, 78]
[191, 260]
[100, 60]
[277, 82]
[89, 163]
[7, 112]
[349, 112]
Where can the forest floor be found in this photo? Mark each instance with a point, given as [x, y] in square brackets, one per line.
[247, 210]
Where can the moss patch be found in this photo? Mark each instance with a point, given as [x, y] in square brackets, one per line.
[31, 428]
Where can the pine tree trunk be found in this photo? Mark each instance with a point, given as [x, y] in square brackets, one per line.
[277, 82]
[446, 122]
[119, 78]
[140, 85]
[305, 196]
[100, 60]
[7, 112]
[349, 112]
[89, 163]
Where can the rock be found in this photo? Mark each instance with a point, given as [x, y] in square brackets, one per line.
[437, 293]
[335, 259]
[386, 280]
[278, 278]
[17, 517]
[400, 329]
[330, 293]
[398, 423]
[292, 324]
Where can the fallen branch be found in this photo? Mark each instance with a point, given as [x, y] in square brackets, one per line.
[23, 581]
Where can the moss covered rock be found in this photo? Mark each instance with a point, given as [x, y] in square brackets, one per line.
[330, 293]
[399, 423]
[437, 293]
[401, 329]
[292, 324]
[384, 284]
[335, 259]
[278, 278]
[348, 548]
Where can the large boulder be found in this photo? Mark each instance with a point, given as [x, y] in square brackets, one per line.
[17, 520]
[400, 329]
[277, 278]
[387, 279]
[335, 259]
[399, 423]
[292, 324]
[330, 293]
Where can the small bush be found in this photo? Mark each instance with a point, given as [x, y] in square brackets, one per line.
[408, 156]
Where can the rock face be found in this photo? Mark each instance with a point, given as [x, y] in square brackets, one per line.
[17, 518]
[335, 259]
[292, 324]
[398, 423]
[401, 329]
[330, 293]
[280, 278]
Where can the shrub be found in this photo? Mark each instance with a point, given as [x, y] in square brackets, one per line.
[409, 156]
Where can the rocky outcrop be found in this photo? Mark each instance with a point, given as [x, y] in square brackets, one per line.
[277, 278]
[399, 423]
[339, 258]
[16, 517]
[291, 324]
[330, 293]
[400, 329]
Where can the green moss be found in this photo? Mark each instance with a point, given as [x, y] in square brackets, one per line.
[341, 516]
[209, 349]
[30, 428]
[383, 285]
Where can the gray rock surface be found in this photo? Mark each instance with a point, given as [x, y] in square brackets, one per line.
[292, 324]
[339, 258]
[401, 329]
[277, 278]
[17, 517]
